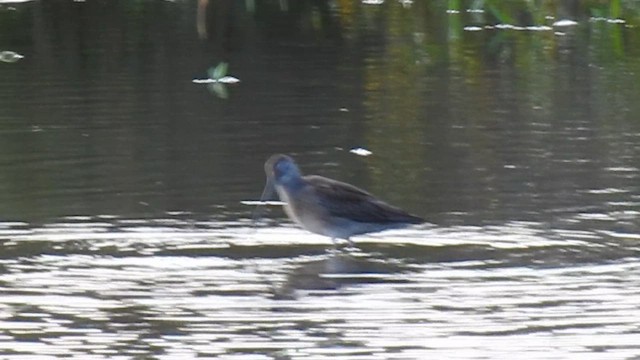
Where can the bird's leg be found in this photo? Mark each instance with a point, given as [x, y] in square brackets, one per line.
[336, 243]
[351, 243]
[342, 246]
[332, 251]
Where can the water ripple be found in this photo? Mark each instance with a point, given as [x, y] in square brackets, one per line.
[167, 288]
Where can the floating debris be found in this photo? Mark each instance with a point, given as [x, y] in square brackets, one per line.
[10, 56]
[607, 20]
[506, 26]
[539, 28]
[519, 28]
[565, 22]
[259, 202]
[217, 79]
[360, 151]
[373, 2]
[223, 80]
[452, 11]
[218, 74]
[509, 27]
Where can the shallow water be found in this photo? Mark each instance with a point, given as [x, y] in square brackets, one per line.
[124, 226]
[174, 288]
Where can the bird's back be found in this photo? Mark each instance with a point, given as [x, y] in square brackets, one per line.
[342, 200]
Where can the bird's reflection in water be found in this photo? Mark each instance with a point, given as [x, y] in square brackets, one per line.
[337, 269]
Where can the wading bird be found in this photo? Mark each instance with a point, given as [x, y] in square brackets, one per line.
[329, 207]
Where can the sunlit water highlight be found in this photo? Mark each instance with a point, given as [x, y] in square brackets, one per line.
[95, 287]
[518, 139]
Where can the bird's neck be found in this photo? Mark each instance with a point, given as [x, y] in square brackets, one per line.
[291, 183]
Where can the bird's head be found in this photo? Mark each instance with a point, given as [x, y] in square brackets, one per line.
[282, 169]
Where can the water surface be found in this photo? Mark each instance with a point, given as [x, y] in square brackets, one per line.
[123, 232]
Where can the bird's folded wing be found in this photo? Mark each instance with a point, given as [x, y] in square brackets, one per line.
[347, 201]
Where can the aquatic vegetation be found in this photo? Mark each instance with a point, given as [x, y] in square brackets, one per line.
[10, 56]
[217, 79]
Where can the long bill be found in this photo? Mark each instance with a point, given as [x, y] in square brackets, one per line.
[269, 193]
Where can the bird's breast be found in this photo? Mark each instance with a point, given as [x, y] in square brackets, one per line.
[301, 205]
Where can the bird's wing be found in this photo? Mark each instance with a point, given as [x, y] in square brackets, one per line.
[349, 202]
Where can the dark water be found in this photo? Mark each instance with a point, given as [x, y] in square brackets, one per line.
[123, 235]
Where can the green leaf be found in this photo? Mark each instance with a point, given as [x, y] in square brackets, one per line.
[219, 89]
[211, 72]
[219, 71]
